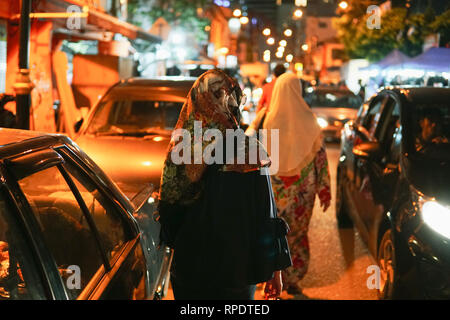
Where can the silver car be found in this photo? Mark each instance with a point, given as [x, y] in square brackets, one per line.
[128, 131]
[333, 107]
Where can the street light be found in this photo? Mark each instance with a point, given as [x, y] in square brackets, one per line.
[305, 47]
[279, 54]
[343, 5]
[298, 13]
[288, 32]
[270, 41]
[283, 43]
[243, 20]
[289, 58]
[237, 13]
[266, 32]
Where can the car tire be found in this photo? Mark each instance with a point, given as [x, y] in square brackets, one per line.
[387, 261]
[342, 217]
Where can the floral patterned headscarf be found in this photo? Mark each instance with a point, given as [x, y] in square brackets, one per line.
[214, 100]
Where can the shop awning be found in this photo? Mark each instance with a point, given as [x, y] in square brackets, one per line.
[92, 19]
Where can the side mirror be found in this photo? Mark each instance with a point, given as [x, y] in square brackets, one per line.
[366, 150]
[77, 125]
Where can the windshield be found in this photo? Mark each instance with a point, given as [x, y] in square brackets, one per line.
[134, 117]
[431, 130]
[333, 99]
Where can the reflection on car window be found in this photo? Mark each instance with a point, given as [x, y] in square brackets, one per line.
[373, 116]
[134, 117]
[431, 127]
[106, 217]
[66, 232]
[333, 99]
[18, 277]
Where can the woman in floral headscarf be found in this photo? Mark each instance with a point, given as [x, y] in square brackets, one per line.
[210, 211]
[302, 170]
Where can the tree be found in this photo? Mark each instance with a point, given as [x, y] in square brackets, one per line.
[187, 14]
[400, 29]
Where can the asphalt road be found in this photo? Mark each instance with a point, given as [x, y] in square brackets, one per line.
[339, 258]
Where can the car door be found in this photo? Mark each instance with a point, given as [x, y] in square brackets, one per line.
[88, 265]
[120, 241]
[377, 176]
[365, 130]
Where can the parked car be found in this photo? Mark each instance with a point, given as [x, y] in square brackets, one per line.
[393, 183]
[333, 107]
[67, 231]
[128, 131]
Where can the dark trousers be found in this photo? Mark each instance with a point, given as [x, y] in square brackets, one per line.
[202, 292]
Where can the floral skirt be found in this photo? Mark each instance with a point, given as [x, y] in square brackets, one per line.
[295, 202]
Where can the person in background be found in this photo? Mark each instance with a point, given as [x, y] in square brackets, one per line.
[264, 102]
[7, 118]
[302, 171]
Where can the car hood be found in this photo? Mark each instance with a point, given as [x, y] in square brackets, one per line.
[336, 113]
[430, 177]
[130, 162]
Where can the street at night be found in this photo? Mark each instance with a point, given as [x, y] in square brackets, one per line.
[219, 152]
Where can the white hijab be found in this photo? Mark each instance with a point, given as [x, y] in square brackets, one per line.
[299, 134]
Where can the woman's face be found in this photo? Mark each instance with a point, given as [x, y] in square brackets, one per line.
[217, 90]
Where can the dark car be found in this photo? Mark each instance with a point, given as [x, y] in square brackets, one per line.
[333, 107]
[128, 131]
[393, 181]
[67, 231]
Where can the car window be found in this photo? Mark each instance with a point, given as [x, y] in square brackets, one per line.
[430, 124]
[66, 232]
[333, 99]
[389, 122]
[135, 117]
[106, 217]
[19, 279]
[373, 116]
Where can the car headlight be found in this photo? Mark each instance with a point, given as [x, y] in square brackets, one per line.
[323, 123]
[436, 216]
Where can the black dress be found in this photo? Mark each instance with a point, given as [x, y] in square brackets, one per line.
[229, 240]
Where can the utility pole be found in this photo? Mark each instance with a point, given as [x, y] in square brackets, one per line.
[23, 85]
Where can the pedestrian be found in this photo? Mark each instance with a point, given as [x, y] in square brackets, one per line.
[7, 118]
[264, 102]
[219, 218]
[302, 171]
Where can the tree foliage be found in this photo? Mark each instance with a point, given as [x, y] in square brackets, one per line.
[187, 14]
[398, 30]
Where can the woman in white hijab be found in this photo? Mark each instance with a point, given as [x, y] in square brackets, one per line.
[302, 170]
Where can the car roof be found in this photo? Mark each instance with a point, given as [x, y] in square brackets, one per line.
[172, 82]
[164, 88]
[9, 136]
[422, 95]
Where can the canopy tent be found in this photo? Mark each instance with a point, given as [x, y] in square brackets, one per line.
[395, 58]
[433, 60]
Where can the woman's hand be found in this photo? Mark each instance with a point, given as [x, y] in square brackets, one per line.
[274, 287]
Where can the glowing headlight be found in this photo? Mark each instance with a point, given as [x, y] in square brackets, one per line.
[322, 122]
[437, 217]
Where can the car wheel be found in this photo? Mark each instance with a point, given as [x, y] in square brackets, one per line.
[388, 266]
[342, 217]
